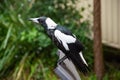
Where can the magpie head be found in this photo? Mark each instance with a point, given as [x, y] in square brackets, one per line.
[46, 22]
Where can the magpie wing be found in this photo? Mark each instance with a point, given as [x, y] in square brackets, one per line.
[64, 38]
[64, 30]
[67, 32]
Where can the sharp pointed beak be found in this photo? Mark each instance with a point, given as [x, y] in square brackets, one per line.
[34, 20]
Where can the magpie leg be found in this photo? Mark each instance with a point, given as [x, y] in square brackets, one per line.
[62, 59]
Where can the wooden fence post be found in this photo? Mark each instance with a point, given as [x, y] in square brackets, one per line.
[98, 55]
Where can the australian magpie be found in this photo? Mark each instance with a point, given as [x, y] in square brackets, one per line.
[65, 41]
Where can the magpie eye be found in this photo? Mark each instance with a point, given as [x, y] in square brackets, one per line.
[41, 21]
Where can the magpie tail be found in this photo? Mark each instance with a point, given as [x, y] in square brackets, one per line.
[79, 62]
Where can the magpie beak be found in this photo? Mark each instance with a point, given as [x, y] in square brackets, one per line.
[34, 20]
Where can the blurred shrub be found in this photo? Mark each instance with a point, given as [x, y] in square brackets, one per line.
[25, 52]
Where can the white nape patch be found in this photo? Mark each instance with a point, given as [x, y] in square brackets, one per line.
[50, 23]
[64, 38]
[83, 58]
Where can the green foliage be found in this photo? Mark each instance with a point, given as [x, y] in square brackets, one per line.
[25, 52]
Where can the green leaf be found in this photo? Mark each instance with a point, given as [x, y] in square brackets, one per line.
[7, 37]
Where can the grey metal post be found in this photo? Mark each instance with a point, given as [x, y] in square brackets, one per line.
[66, 70]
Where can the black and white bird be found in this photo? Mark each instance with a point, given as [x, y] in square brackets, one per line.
[65, 41]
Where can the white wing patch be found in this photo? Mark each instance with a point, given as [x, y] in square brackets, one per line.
[64, 38]
[65, 45]
[83, 58]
